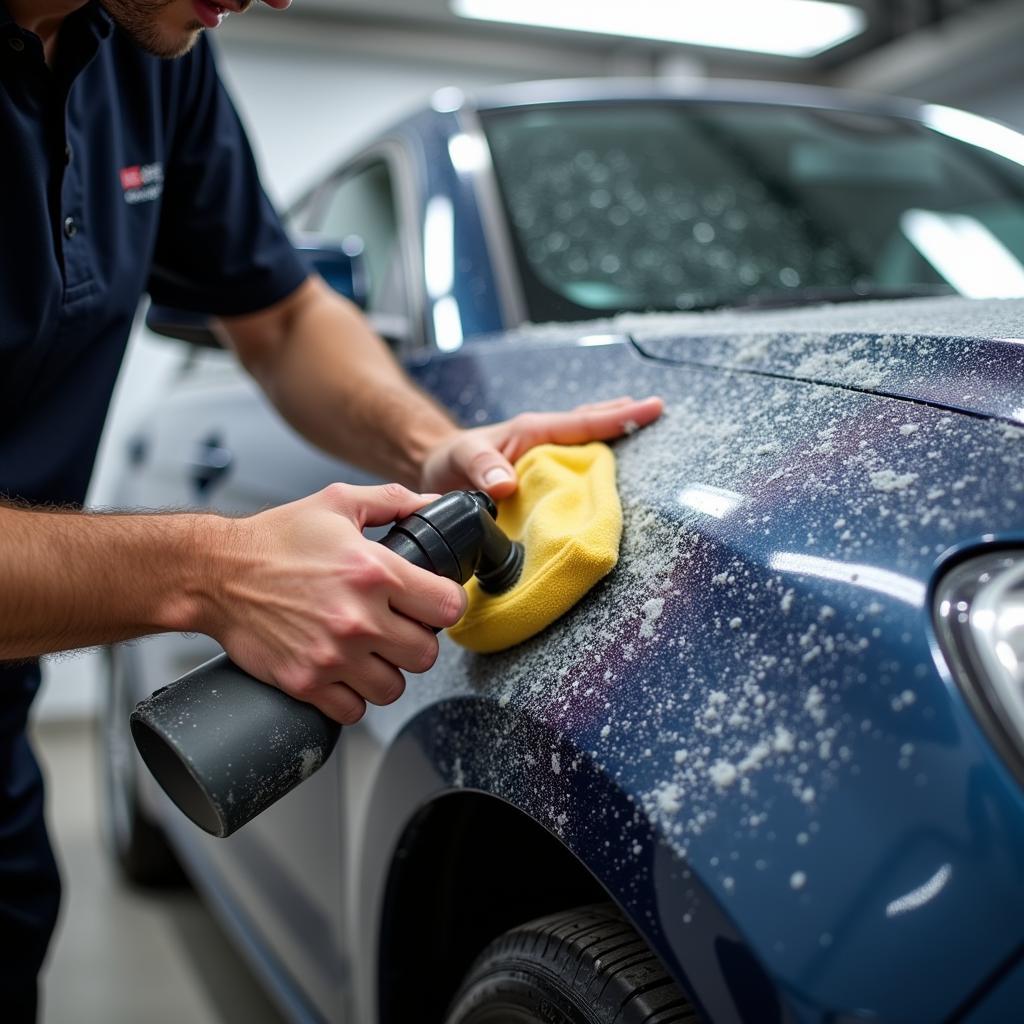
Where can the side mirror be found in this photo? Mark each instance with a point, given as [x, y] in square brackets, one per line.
[341, 265]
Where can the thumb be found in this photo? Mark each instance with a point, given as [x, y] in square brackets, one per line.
[484, 467]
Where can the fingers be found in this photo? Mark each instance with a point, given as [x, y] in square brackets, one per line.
[343, 690]
[423, 597]
[375, 506]
[600, 421]
[339, 702]
[407, 645]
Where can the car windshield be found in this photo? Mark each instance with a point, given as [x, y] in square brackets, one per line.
[683, 205]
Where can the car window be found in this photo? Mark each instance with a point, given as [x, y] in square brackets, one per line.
[360, 206]
[670, 205]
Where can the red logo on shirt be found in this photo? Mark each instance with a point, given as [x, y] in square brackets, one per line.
[131, 177]
[142, 182]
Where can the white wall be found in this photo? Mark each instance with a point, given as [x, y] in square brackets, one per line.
[307, 102]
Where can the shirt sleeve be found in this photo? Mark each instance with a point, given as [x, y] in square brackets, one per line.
[220, 247]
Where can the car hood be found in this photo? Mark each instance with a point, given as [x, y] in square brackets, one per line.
[957, 353]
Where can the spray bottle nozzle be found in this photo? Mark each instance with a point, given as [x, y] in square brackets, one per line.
[457, 536]
[501, 559]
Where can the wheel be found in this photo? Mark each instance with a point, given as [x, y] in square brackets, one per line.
[137, 844]
[583, 966]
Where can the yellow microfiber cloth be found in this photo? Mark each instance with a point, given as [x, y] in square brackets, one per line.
[566, 514]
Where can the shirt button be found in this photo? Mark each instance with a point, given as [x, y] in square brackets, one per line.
[16, 44]
[70, 227]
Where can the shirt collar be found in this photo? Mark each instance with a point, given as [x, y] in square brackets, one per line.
[96, 15]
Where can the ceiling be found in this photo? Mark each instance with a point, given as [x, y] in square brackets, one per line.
[888, 20]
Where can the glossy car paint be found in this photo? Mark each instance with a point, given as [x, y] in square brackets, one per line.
[746, 733]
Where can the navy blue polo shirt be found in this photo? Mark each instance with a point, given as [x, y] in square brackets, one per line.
[120, 173]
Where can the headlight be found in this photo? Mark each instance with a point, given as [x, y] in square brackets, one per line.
[979, 618]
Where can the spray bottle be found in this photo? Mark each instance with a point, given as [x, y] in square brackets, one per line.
[225, 746]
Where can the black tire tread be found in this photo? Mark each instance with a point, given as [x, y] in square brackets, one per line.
[589, 956]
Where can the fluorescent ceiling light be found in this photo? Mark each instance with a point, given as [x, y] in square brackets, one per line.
[966, 253]
[975, 131]
[789, 28]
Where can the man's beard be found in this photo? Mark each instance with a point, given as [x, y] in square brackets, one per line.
[141, 20]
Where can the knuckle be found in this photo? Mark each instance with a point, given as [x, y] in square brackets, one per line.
[396, 492]
[336, 493]
[452, 604]
[426, 655]
[390, 693]
[353, 711]
[373, 573]
[364, 569]
[348, 624]
[323, 657]
[299, 681]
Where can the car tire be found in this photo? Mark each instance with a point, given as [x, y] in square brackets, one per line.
[136, 843]
[583, 966]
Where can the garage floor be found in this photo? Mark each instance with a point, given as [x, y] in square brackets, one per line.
[124, 956]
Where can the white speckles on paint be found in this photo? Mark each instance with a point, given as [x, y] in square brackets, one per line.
[556, 762]
[782, 741]
[844, 483]
[668, 797]
[813, 705]
[756, 756]
[903, 700]
[797, 880]
[651, 612]
[888, 480]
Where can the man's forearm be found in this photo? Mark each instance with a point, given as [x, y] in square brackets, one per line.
[337, 383]
[71, 580]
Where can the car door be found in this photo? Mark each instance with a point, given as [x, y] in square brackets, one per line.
[216, 442]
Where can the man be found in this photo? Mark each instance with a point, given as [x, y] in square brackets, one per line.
[125, 173]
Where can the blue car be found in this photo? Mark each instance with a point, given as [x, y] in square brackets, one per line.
[769, 769]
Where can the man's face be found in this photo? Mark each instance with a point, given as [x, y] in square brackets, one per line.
[169, 28]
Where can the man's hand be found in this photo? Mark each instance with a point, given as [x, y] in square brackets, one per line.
[330, 617]
[482, 457]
